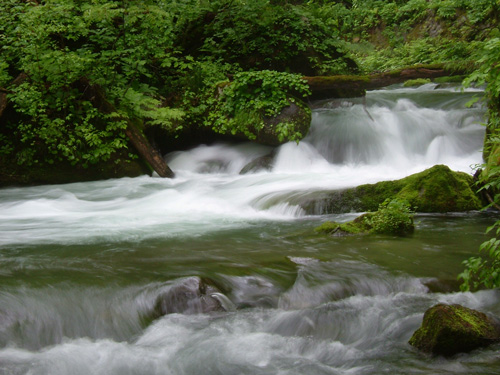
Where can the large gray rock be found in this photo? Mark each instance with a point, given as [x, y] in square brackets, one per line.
[450, 329]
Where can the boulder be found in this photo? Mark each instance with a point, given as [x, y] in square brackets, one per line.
[450, 329]
[190, 296]
[437, 189]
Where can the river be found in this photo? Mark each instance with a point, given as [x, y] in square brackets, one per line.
[82, 265]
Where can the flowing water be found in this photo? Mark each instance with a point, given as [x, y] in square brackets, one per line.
[82, 265]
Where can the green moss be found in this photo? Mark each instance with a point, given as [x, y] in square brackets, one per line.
[416, 82]
[337, 79]
[327, 227]
[450, 329]
[437, 189]
[449, 79]
[360, 225]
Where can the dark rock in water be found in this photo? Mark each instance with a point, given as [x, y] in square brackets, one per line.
[450, 329]
[264, 162]
[442, 286]
[192, 296]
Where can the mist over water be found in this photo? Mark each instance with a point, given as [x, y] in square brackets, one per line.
[82, 265]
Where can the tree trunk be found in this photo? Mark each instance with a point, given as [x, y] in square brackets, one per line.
[147, 152]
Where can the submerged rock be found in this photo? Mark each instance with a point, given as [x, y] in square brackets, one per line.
[450, 329]
[262, 163]
[356, 226]
[191, 296]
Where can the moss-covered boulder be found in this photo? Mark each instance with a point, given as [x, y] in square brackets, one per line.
[450, 329]
[437, 189]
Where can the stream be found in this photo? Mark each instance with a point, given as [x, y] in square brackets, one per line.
[82, 265]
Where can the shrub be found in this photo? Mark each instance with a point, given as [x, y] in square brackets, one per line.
[393, 217]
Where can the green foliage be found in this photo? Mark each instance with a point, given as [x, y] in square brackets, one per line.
[403, 33]
[263, 35]
[67, 49]
[4, 73]
[243, 104]
[484, 271]
[393, 217]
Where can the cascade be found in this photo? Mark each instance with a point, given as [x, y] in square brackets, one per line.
[82, 266]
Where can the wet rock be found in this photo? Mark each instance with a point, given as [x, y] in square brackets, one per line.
[442, 285]
[191, 296]
[261, 163]
[450, 329]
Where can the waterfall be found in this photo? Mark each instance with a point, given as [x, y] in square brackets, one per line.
[405, 131]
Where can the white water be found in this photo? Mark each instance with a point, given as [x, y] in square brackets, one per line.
[344, 148]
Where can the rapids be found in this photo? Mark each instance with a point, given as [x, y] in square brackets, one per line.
[82, 265]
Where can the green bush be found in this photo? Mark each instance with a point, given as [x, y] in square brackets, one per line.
[392, 217]
[251, 97]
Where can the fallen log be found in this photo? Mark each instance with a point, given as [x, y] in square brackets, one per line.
[351, 86]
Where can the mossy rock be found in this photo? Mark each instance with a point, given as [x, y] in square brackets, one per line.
[416, 82]
[298, 115]
[437, 189]
[450, 329]
[360, 225]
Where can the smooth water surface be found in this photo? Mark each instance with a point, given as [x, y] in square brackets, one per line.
[82, 265]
